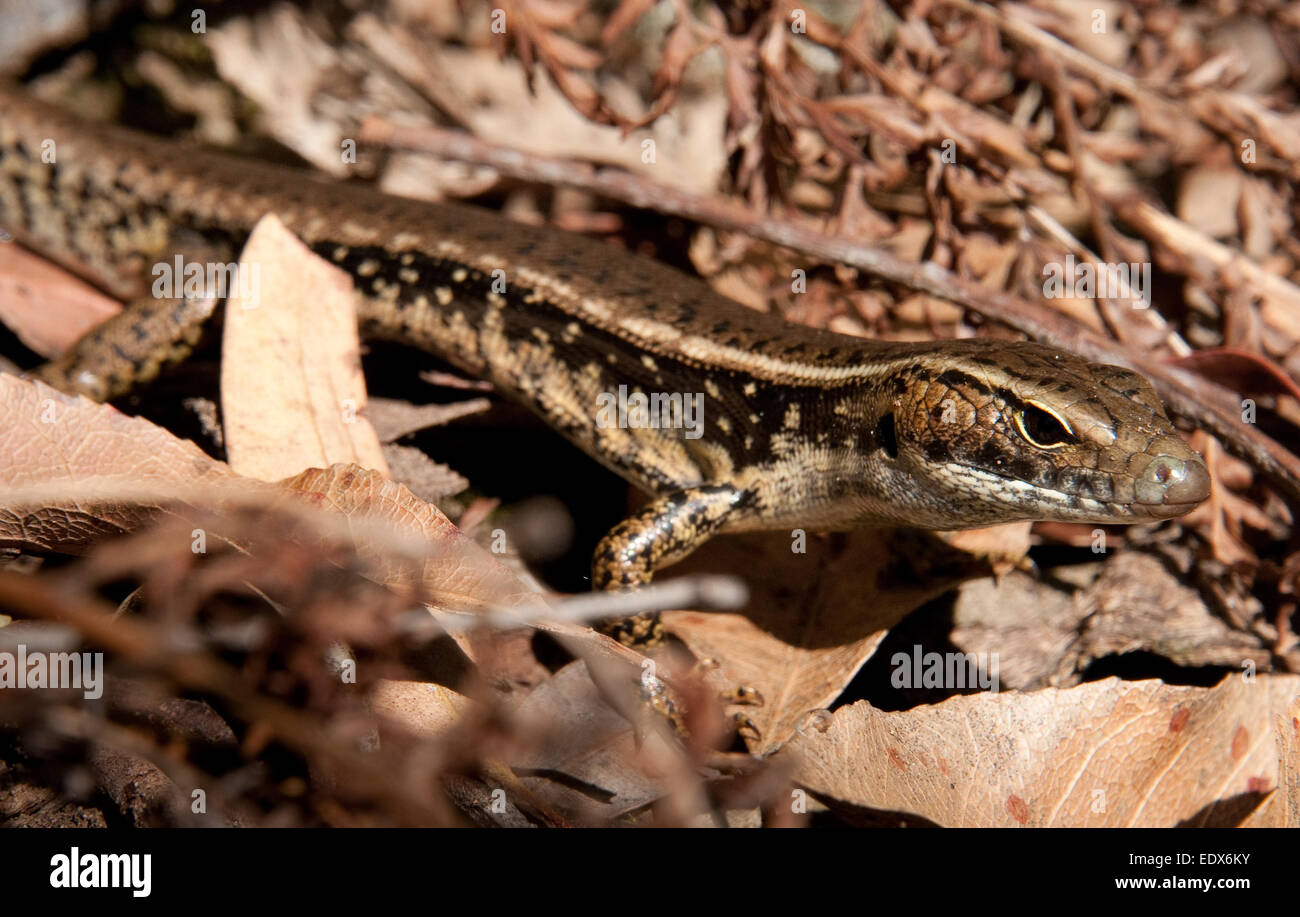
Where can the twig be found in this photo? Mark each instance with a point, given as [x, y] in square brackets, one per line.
[145, 645]
[1194, 246]
[698, 592]
[1049, 225]
[80, 724]
[1052, 48]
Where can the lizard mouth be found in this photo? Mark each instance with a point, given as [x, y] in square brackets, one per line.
[1168, 487]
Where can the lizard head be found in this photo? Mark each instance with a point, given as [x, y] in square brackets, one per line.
[1035, 433]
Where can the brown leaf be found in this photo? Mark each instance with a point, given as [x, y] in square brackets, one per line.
[456, 572]
[1004, 546]
[814, 618]
[1240, 371]
[964, 122]
[393, 419]
[1107, 753]
[429, 480]
[425, 709]
[1222, 516]
[46, 307]
[291, 385]
[1137, 604]
[52, 442]
[1028, 622]
[74, 472]
[587, 764]
[1286, 801]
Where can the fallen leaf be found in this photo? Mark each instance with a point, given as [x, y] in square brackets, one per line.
[45, 306]
[429, 480]
[1104, 754]
[53, 442]
[393, 419]
[1138, 605]
[292, 391]
[587, 764]
[814, 618]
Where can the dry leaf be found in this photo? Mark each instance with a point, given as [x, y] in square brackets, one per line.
[1207, 200]
[46, 307]
[588, 765]
[120, 470]
[457, 573]
[429, 480]
[427, 710]
[1107, 753]
[1029, 623]
[814, 618]
[277, 60]
[291, 386]
[1137, 604]
[51, 441]
[393, 419]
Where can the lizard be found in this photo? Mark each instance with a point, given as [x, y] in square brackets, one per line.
[800, 427]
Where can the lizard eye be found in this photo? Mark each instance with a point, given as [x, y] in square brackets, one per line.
[1041, 427]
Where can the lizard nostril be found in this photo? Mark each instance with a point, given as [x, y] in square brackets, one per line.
[1171, 480]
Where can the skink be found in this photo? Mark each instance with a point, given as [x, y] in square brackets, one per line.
[798, 427]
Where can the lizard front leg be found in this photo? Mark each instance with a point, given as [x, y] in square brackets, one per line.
[659, 535]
